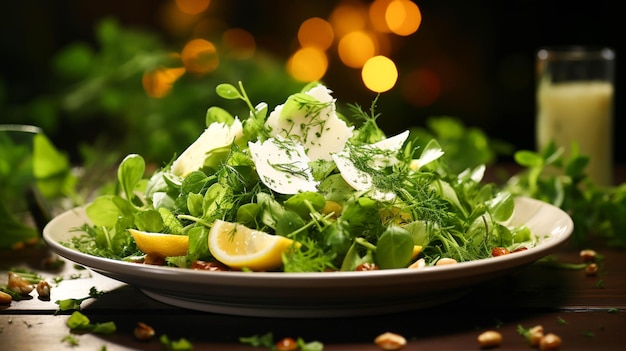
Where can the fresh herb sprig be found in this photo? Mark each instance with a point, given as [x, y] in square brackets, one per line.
[75, 304]
[599, 213]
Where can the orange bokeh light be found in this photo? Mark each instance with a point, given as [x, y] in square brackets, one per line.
[238, 43]
[158, 83]
[379, 74]
[377, 11]
[403, 17]
[356, 48]
[192, 7]
[316, 32]
[307, 64]
[174, 20]
[200, 56]
[348, 18]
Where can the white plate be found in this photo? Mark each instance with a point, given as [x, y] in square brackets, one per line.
[332, 294]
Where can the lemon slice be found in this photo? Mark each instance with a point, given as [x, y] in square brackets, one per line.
[159, 244]
[238, 246]
[416, 250]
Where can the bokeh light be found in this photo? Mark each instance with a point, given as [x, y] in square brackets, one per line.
[238, 44]
[356, 48]
[377, 12]
[316, 32]
[421, 87]
[158, 83]
[347, 18]
[200, 56]
[307, 64]
[175, 21]
[379, 74]
[403, 17]
[192, 7]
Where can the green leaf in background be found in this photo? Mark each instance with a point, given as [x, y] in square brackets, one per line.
[465, 147]
[74, 62]
[14, 231]
[51, 169]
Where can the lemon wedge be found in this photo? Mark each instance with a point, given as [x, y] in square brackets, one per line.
[159, 244]
[238, 246]
[416, 250]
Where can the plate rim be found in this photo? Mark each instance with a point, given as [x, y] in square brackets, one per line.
[139, 275]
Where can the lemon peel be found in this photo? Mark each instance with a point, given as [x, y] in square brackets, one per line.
[160, 244]
[238, 246]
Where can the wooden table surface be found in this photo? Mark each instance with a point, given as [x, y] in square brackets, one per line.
[587, 312]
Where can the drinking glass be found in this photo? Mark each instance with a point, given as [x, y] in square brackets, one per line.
[575, 89]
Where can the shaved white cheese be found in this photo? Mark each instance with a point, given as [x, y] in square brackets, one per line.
[282, 165]
[217, 135]
[388, 146]
[428, 156]
[380, 155]
[319, 129]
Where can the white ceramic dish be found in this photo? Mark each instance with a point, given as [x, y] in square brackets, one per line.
[334, 294]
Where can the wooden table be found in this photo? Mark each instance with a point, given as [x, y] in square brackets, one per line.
[587, 312]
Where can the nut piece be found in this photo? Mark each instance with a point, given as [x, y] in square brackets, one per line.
[445, 261]
[287, 344]
[588, 255]
[534, 335]
[143, 332]
[390, 341]
[419, 264]
[490, 338]
[5, 298]
[19, 284]
[550, 342]
[43, 290]
[591, 269]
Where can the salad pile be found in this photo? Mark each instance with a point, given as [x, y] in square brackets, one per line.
[346, 196]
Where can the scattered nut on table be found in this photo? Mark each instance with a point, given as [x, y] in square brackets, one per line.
[5, 298]
[143, 332]
[588, 255]
[287, 344]
[19, 284]
[43, 290]
[534, 335]
[390, 341]
[591, 269]
[550, 342]
[490, 338]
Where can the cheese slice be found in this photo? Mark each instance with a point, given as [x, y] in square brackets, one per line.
[216, 135]
[282, 165]
[318, 128]
[382, 155]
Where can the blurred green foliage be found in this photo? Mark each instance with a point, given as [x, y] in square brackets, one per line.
[97, 109]
[465, 146]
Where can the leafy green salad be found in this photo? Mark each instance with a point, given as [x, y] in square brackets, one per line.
[348, 196]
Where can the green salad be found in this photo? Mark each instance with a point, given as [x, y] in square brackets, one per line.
[347, 196]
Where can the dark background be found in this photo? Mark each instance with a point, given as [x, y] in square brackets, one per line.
[485, 48]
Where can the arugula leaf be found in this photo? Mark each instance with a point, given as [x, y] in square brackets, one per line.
[129, 174]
